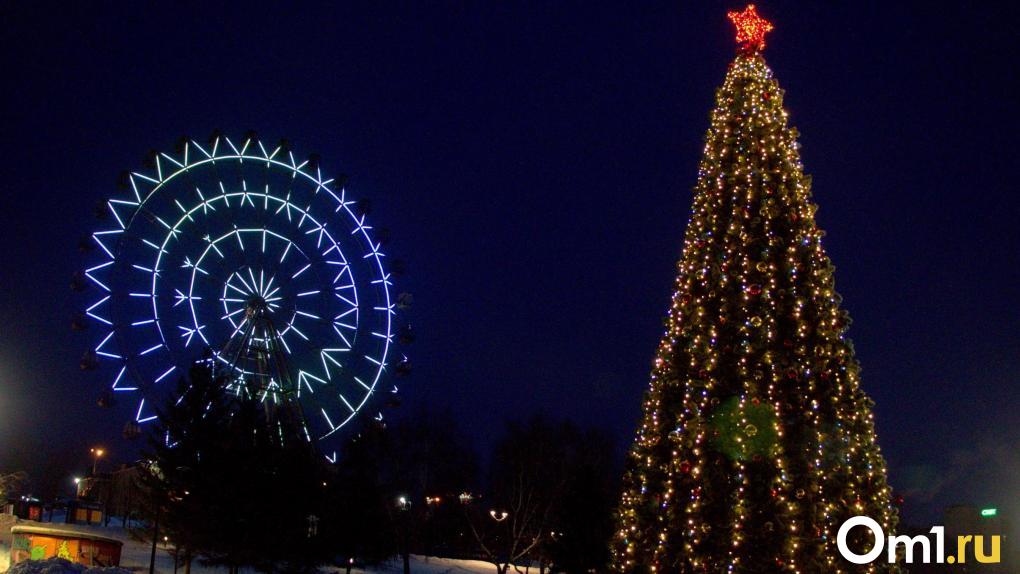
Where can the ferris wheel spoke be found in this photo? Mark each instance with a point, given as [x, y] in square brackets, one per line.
[151, 349]
[298, 331]
[300, 271]
[254, 282]
[91, 311]
[239, 290]
[118, 205]
[119, 380]
[347, 403]
[143, 418]
[307, 378]
[101, 351]
[216, 249]
[184, 211]
[248, 289]
[246, 196]
[327, 358]
[345, 299]
[188, 333]
[362, 383]
[286, 250]
[386, 337]
[165, 374]
[283, 341]
[232, 313]
[329, 422]
[100, 237]
[271, 293]
[343, 337]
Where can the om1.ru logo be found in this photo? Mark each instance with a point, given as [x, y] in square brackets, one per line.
[910, 544]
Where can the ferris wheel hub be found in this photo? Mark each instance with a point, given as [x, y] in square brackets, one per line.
[257, 305]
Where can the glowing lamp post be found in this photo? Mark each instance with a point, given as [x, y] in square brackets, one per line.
[97, 453]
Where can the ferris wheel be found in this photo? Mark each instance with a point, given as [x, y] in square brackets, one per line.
[245, 255]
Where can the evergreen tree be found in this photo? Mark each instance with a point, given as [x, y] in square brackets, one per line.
[181, 450]
[757, 441]
[367, 532]
[229, 490]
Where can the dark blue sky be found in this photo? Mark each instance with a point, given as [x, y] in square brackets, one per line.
[534, 162]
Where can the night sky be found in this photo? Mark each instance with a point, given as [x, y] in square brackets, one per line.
[534, 162]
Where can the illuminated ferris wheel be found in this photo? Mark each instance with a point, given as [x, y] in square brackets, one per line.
[253, 259]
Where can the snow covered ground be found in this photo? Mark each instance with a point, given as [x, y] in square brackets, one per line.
[135, 557]
[60, 566]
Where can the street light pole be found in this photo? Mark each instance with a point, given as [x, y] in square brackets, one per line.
[155, 538]
[97, 453]
[405, 510]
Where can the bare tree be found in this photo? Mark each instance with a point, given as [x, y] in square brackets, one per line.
[11, 483]
[529, 472]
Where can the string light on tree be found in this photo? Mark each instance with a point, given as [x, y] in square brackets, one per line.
[757, 441]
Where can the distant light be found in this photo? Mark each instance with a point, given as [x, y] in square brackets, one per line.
[989, 512]
[77, 480]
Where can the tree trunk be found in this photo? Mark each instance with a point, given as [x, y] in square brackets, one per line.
[406, 550]
[155, 536]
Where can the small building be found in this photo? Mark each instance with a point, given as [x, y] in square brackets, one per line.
[26, 508]
[41, 542]
[83, 512]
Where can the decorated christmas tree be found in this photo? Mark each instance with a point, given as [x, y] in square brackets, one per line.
[757, 441]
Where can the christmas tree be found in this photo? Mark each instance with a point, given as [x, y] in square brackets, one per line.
[757, 441]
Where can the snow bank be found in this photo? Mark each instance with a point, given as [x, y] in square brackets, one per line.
[134, 559]
[433, 565]
[60, 566]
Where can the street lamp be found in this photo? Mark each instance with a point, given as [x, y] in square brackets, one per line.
[404, 504]
[498, 516]
[97, 453]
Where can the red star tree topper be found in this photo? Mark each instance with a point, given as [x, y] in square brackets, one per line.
[751, 28]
